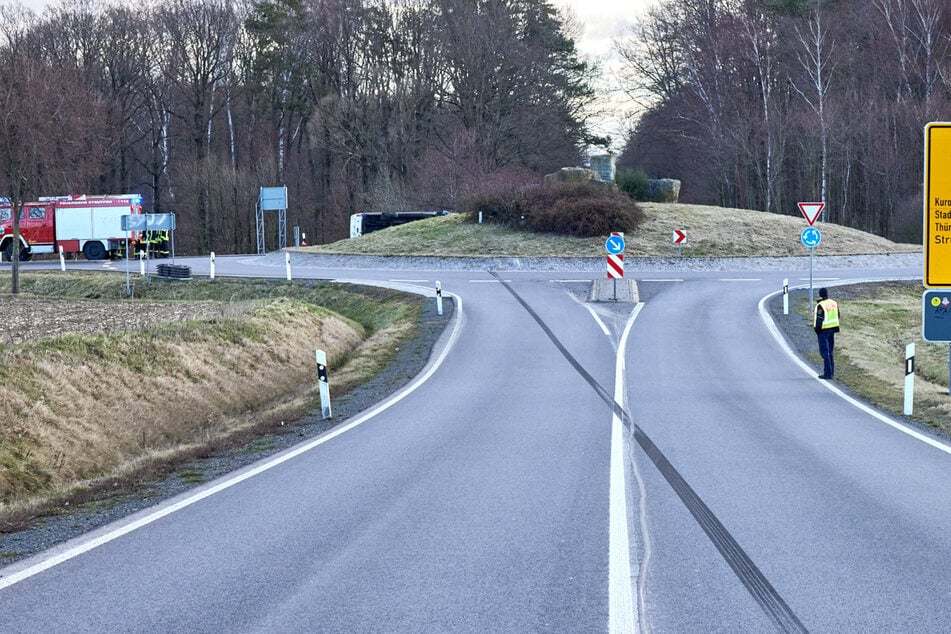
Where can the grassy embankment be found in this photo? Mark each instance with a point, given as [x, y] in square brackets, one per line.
[711, 232]
[87, 412]
[879, 320]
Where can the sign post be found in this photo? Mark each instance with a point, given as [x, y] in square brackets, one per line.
[615, 248]
[937, 207]
[909, 379]
[680, 237]
[323, 384]
[811, 211]
[936, 234]
[811, 237]
[936, 319]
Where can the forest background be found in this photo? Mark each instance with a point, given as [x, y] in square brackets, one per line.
[382, 105]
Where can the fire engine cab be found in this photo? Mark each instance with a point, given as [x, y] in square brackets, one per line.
[91, 225]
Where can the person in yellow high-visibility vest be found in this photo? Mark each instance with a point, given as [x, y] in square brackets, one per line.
[826, 323]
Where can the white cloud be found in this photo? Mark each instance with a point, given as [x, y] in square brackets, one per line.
[603, 21]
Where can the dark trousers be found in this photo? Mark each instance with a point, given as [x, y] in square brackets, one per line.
[826, 347]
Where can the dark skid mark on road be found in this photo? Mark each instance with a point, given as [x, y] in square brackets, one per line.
[746, 571]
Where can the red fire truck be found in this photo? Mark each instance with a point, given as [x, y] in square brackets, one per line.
[90, 225]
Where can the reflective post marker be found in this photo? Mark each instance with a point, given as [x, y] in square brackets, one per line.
[909, 378]
[211, 266]
[438, 298]
[323, 384]
[785, 296]
[287, 260]
[141, 262]
[62, 258]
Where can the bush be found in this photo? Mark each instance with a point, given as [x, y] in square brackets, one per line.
[634, 183]
[581, 209]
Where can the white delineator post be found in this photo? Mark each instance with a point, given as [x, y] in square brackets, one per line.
[211, 266]
[909, 378]
[141, 262]
[287, 261]
[785, 296]
[438, 298]
[62, 259]
[323, 384]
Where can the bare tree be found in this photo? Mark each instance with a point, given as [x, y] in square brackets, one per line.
[50, 137]
[816, 58]
[198, 39]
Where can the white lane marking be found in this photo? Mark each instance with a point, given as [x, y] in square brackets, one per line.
[622, 610]
[664, 279]
[604, 328]
[411, 281]
[85, 545]
[740, 279]
[774, 330]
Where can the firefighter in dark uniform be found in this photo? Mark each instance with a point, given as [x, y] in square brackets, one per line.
[826, 324]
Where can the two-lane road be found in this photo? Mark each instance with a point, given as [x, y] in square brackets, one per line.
[484, 500]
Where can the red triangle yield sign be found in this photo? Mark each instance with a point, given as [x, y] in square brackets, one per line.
[811, 211]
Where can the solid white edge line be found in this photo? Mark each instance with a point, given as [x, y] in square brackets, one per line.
[622, 611]
[777, 335]
[87, 544]
[604, 328]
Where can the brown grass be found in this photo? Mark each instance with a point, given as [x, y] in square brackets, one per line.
[711, 232]
[84, 412]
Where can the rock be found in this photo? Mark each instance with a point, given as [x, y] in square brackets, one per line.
[663, 190]
[572, 175]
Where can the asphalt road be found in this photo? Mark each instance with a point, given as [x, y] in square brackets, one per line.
[666, 467]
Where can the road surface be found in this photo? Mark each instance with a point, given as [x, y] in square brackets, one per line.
[561, 466]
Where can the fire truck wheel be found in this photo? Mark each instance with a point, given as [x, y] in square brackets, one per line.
[94, 250]
[8, 253]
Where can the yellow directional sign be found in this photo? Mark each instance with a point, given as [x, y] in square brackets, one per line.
[937, 210]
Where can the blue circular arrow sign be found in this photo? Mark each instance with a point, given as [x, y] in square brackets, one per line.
[811, 237]
[614, 244]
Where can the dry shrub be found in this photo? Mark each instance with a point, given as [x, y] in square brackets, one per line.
[580, 209]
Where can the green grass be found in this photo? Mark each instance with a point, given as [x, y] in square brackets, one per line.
[258, 445]
[191, 475]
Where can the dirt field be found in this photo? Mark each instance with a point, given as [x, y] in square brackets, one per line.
[28, 318]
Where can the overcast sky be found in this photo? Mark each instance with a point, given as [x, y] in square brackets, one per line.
[603, 20]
